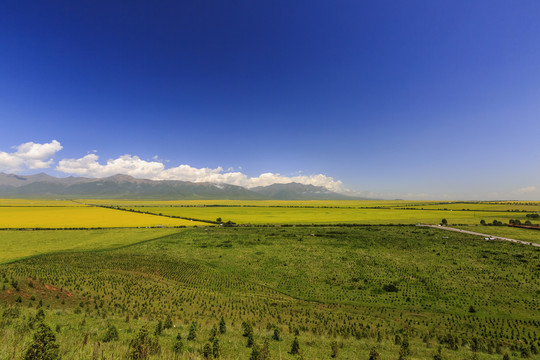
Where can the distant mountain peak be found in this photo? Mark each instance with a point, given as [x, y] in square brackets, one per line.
[120, 178]
[127, 187]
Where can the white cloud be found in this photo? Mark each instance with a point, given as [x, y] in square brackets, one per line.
[29, 156]
[527, 190]
[125, 164]
[155, 170]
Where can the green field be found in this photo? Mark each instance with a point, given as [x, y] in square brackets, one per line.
[328, 215]
[335, 288]
[325, 283]
[18, 244]
[506, 231]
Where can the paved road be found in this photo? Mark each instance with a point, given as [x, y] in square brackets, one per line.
[480, 234]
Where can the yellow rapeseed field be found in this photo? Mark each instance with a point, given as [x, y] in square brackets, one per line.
[37, 202]
[80, 216]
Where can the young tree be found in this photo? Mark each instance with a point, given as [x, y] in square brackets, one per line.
[265, 351]
[334, 349]
[213, 333]
[438, 355]
[192, 331]
[255, 352]
[295, 347]
[444, 222]
[250, 339]
[44, 346]
[111, 334]
[277, 334]
[168, 322]
[40, 315]
[140, 345]
[159, 328]
[207, 351]
[248, 328]
[178, 344]
[404, 350]
[374, 355]
[222, 326]
[216, 351]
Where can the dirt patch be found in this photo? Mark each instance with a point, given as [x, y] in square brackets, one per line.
[50, 287]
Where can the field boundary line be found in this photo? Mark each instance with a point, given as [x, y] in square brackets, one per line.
[147, 213]
[74, 251]
[491, 237]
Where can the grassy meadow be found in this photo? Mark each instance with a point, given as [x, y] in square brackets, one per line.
[325, 215]
[18, 244]
[408, 292]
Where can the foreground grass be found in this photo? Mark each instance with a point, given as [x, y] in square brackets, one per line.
[358, 286]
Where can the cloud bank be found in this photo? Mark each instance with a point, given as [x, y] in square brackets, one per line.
[134, 166]
[29, 156]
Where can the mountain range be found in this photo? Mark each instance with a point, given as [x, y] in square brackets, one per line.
[127, 187]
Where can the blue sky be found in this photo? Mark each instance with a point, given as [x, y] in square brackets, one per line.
[417, 99]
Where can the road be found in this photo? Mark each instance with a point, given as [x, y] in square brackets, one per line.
[480, 234]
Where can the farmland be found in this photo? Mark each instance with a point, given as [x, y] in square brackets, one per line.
[20, 244]
[332, 212]
[73, 215]
[322, 215]
[350, 288]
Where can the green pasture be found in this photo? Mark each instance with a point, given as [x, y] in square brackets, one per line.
[478, 206]
[506, 231]
[18, 244]
[358, 286]
[329, 215]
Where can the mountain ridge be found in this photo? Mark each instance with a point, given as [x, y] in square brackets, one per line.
[121, 186]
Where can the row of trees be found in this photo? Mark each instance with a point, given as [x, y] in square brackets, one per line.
[500, 223]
